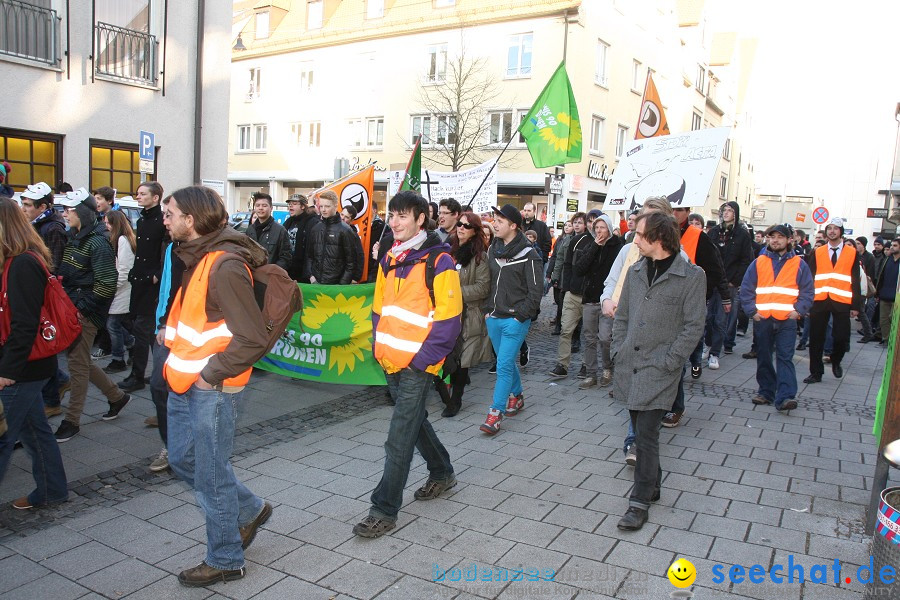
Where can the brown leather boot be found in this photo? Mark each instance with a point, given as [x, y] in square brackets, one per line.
[248, 531]
[203, 575]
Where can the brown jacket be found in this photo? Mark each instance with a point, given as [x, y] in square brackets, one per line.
[230, 297]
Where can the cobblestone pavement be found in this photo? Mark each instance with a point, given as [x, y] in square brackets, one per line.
[743, 485]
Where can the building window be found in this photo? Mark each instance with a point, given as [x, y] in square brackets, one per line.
[314, 14]
[315, 134]
[421, 128]
[312, 139]
[374, 132]
[33, 157]
[597, 134]
[252, 138]
[723, 187]
[436, 69]
[125, 49]
[255, 89]
[621, 137]
[444, 3]
[374, 9]
[115, 165]
[262, 25]
[501, 126]
[601, 76]
[726, 151]
[696, 121]
[306, 79]
[354, 133]
[518, 56]
[30, 31]
[636, 76]
[700, 82]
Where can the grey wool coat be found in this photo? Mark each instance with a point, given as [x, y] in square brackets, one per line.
[475, 281]
[655, 330]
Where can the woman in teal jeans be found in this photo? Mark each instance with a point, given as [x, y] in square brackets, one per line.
[517, 284]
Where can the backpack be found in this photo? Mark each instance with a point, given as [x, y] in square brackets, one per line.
[58, 327]
[278, 297]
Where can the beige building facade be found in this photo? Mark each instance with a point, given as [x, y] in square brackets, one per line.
[316, 82]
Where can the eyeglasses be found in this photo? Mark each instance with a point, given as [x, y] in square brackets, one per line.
[466, 225]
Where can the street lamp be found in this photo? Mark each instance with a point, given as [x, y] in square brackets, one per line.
[239, 45]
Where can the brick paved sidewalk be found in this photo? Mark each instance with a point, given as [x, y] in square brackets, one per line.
[743, 485]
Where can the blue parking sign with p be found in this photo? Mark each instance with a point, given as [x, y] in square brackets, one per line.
[147, 146]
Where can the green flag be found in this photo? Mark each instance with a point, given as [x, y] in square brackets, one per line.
[881, 399]
[411, 179]
[551, 128]
[334, 342]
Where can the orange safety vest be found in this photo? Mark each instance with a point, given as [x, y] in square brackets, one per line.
[407, 316]
[689, 240]
[192, 340]
[775, 297]
[835, 282]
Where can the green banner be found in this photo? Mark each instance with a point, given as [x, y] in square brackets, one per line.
[334, 343]
[551, 128]
[886, 377]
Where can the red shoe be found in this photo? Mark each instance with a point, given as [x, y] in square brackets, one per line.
[514, 404]
[492, 423]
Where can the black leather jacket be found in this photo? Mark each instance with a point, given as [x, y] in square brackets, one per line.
[274, 240]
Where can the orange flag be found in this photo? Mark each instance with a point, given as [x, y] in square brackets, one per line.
[652, 120]
[356, 189]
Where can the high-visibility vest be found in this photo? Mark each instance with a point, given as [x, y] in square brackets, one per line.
[835, 282]
[193, 340]
[407, 316]
[689, 240]
[775, 296]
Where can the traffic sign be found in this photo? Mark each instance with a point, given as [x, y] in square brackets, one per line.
[820, 215]
[877, 213]
[147, 146]
[146, 166]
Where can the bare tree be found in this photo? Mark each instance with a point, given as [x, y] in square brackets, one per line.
[456, 132]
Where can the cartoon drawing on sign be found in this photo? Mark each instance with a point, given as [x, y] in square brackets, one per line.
[647, 181]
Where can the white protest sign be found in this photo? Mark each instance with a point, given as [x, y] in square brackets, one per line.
[395, 178]
[461, 185]
[680, 167]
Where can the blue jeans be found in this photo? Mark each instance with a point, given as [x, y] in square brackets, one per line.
[119, 337]
[629, 437]
[202, 426]
[409, 430]
[731, 318]
[159, 389]
[23, 406]
[778, 382]
[715, 324]
[506, 336]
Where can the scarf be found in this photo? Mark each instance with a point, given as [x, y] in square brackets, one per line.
[400, 249]
[42, 217]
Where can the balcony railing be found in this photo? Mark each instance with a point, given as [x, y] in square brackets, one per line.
[29, 31]
[126, 54]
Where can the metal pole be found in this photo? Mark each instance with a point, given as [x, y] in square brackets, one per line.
[198, 89]
[553, 198]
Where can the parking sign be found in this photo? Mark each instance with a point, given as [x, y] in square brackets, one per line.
[147, 146]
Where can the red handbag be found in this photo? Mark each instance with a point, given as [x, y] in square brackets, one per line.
[59, 325]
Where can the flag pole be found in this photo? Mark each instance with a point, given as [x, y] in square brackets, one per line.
[637, 129]
[405, 173]
[491, 170]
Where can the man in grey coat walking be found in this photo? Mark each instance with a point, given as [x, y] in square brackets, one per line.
[658, 323]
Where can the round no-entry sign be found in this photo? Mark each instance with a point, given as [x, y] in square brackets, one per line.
[820, 215]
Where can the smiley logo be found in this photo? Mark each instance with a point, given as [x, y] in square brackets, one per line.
[682, 573]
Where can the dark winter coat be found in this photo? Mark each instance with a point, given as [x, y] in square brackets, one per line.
[475, 282]
[25, 292]
[298, 230]
[517, 281]
[88, 273]
[152, 239]
[735, 246]
[274, 240]
[544, 240]
[53, 231]
[709, 259]
[593, 264]
[331, 254]
[571, 281]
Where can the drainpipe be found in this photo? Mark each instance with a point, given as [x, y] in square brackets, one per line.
[198, 90]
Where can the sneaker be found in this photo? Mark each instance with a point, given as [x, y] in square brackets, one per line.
[713, 362]
[524, 355]
[706, 351]
[559, 372]
[588, 383]
[115, 408]
[161, 462]
[491, 425]
[434, 488]
[761, 400]
[728, 350]
[373, 527]
[787, 405]
[115, 366]
[203, 575]
[826, 359]
[66, 431]
[582, 372]
[514, 404]
[52, 411]
[741, 332]
[696, 372]
[631, 455]
[750, 355]
[493, 369]
[672, 419]
[99, 353]
[22, 503]
[151, 421]
[606, 377]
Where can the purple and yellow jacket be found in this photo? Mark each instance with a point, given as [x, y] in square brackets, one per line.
[410, 331]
